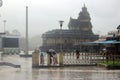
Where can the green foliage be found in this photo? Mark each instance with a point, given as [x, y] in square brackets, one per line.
[111, 63]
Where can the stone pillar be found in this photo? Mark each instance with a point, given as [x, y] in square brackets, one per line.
[48, 59]
[35, 59]
[61, 59]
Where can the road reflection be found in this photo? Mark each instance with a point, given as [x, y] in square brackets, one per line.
[26, 72]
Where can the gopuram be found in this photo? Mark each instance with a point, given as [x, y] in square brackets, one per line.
[79, 30]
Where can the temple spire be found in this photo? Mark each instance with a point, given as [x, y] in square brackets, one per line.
[84, 14]
[84, 5]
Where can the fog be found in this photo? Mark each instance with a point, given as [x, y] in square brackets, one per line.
[45, 14]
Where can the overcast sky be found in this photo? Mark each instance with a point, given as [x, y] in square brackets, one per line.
[45, 14]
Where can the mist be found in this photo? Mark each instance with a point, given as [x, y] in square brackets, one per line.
[45, 14]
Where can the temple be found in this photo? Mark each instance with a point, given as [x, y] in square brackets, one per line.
[79, 30]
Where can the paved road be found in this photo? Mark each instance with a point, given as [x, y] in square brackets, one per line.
[71, 73]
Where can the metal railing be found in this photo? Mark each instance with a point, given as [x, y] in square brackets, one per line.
[84, 58]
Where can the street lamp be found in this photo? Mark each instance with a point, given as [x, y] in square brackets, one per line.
[1, 3]
[4, 24]
[61, 24]
[27, 42]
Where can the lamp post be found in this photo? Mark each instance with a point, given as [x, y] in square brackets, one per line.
[61, 24]
[4, 24]
[27, 43]
[1, 3]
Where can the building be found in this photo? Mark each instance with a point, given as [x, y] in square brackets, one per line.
[1, 34]
[79, 30]
[9, 43]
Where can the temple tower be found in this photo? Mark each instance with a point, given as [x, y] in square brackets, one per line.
[83, 22]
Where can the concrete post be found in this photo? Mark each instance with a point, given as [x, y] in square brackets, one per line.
[35, 59]
[61, 59]
[48, 59]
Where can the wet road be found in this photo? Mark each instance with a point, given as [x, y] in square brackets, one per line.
[71, 73]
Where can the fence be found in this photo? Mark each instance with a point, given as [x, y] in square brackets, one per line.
[84, 58]
[72, 59]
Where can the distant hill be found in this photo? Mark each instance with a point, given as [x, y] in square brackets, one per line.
[34, 42]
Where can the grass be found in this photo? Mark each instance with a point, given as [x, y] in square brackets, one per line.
[111, 63]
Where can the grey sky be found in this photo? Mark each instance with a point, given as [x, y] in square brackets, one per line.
[45, 14]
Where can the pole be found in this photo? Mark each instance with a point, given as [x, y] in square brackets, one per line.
[1, 3]
[61, 24]
[4, 24]
[61, 37]
[61, 52]
[27, 47]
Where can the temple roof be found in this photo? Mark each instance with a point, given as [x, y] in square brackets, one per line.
[82, 21]
[68, 34]
[77, 23]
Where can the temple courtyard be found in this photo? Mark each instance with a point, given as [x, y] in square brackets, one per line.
[26, 72]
